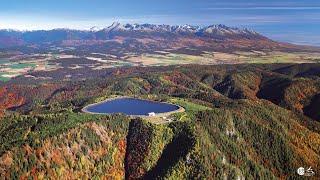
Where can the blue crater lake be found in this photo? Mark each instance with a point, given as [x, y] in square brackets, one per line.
[130, 106]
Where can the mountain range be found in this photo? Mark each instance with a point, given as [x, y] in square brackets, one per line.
[145, 38]
[10, 38]
[198, 30]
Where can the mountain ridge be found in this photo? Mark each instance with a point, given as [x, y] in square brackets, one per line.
[136, 26]
[13, 37]
[147, 38]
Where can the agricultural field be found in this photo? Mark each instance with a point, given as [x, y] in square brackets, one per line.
[24, 64]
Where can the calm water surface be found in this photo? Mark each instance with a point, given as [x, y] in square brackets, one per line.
[131, 106]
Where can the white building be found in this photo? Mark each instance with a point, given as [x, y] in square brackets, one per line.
[151, 114]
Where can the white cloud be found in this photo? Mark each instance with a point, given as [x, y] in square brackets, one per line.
[265, 8]
[43, 23]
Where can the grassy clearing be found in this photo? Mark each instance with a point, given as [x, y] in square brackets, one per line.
[4, 76]
[169, 59]
[190, 109]
[218, 57]
[22, 65]
[13, 69]
[188, 106]
[281, 57]
[4, 79]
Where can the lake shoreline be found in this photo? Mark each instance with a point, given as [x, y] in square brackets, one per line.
[165, 114]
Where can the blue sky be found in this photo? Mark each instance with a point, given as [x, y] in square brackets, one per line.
[296, 21]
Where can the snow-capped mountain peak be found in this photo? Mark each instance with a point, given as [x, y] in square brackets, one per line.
[95, 29]
[211, 29]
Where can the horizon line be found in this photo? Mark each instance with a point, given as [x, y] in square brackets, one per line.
[110, 24]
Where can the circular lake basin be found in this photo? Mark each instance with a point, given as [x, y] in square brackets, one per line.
[130, 106]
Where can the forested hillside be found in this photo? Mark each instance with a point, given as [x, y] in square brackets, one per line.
[241, 121]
